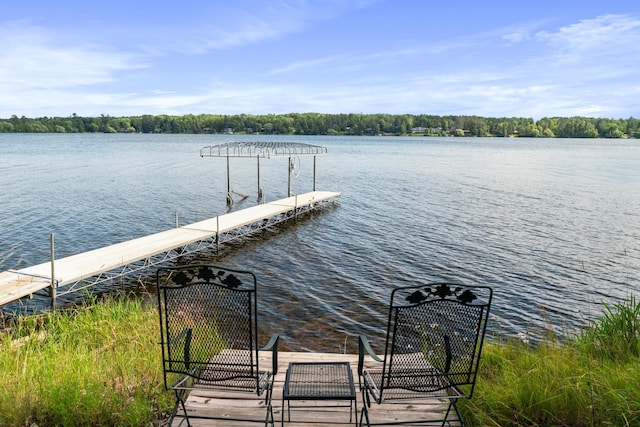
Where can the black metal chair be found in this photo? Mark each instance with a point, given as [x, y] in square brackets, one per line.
[208, 325]
[434, 340]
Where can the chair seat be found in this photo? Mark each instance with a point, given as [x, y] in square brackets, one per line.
[410, 384]
[229, 380]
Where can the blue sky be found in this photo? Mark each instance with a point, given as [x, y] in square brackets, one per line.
[460, 57]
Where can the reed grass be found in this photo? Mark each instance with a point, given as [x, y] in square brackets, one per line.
[591, 380]
[99, 365]
[616, 335]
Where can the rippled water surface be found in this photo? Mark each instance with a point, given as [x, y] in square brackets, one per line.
[552, 225]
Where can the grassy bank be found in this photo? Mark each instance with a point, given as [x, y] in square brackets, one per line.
[592, 380]
[100, 365]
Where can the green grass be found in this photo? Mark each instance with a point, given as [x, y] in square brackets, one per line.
[592, 380]
[98, 365]
[616, 335]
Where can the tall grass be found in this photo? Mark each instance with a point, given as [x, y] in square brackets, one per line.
[100, 365]
[616, 335]
[592, 380]
[94, 365]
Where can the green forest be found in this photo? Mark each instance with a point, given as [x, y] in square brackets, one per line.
[334, 124]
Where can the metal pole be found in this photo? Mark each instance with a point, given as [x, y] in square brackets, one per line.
[52, 288]
[259, 187]
[289, 182]
[314, 173]
[177, 222]
[217, 234]
[229, 199]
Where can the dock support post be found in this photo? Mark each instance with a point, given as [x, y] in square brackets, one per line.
[259, 186]
[229, 198]
[314, 173]
[289, 181]
[52, 287]
[217, 234]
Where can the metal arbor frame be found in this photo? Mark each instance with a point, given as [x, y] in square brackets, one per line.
[269, 150]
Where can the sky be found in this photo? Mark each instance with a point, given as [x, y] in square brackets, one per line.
[512, 58]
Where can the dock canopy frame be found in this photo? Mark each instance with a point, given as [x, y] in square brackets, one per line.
[261, 149]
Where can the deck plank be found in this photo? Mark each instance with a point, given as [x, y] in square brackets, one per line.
[209, 403]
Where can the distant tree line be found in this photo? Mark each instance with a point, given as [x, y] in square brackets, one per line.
[334, 124]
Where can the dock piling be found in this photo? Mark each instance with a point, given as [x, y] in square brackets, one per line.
[52, 287]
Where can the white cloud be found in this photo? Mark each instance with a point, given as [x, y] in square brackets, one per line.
[251, 30]
[31, 58]
[312, 63]
[241, 23]
[517, 37]
[607, 34]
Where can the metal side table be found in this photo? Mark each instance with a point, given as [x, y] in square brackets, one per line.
[332, 381]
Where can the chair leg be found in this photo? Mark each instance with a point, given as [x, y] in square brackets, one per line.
[452, 404]
[455, 406]
[282, 411]
[174, 412]
[268, 400]
[366, 403]
[180, 402]
[364, 415]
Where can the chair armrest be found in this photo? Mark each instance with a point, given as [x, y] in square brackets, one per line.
[273, 346]
[364, 347]
[185, 331]
[185, 334]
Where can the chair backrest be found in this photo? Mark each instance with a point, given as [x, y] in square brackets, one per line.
[208, 322]
[434, 337]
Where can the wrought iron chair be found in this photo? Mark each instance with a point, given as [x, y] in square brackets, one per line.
[434, 340]
[208, 325]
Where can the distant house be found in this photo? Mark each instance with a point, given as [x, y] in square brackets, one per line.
[419, 129]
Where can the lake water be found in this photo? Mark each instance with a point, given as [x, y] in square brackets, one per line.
[553, 225]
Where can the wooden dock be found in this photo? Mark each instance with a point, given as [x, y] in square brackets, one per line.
[16, 284]
[303, 413]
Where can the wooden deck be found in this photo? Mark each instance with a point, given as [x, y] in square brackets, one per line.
[302, 414]
[16, 284]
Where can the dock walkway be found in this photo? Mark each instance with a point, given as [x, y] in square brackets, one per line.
[305, 414]
[144, 252]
